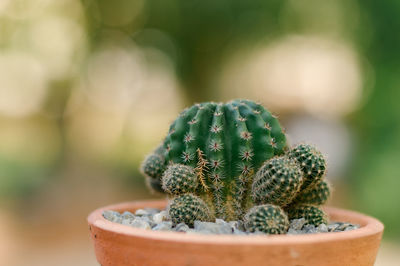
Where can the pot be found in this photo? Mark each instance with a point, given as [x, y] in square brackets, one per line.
[117, 244]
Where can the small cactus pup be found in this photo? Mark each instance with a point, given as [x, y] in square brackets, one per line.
[266, 218]
[316, 195]
[153, 168]
[277, 182]
[188, 208]
[312, 163]
[212, 150]
[312, 214]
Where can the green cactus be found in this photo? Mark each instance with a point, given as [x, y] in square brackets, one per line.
[317, 195]
[313, 214]
[277, 181]
[219, 160]
[225, 144]
[312, 163]
[267, 218]
[153, 168]
[179, 179]
[188, 208]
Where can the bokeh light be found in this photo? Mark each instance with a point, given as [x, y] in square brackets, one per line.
[307, 73]
[23, 82]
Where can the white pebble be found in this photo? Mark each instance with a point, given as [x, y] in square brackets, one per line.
[112, 216]
[128, 215]
[141, 212]
[159, 217]
[182, 227]
[163, 226]
[322, 228]
[212, 228]
[139, 223]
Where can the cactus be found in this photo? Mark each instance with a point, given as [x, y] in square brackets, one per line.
[313, 215]
[277, 181]
[312, 164]
[188, 208]
[219, 160]
[225, 144]
[153, 168]
[267, 218]
[179, 179]
[316, 195]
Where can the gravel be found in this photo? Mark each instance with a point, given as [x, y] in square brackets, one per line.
[158, 220]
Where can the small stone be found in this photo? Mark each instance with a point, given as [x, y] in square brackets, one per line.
[151, 211]
[234, 224]
[159, 217]
[140, 223]
[238, 232]
[141, 212]
[351, 227]
[112, 216]
[126, 221]
[342, 227]
[220, 221]
[212, 228]
[191, 231]
[127, 215]
[297, 224]
[322, 228]
[147, 220]
[181, 227]
[332, 227]
[310, 229]
[292, 231]
[163, 226]
[237, 228]
[238, 225]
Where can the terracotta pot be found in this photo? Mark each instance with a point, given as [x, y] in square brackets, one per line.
[117, 244]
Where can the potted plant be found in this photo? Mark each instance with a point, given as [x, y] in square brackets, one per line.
[227, 169]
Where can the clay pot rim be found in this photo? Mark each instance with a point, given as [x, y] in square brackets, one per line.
[369, 226]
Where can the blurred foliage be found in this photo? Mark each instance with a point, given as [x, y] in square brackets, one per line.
[95, 83]
[196, 34]
[375, 176]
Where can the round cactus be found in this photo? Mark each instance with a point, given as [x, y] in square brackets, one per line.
[187, 209]
[317, 195]
[153, 168]
[266, 218]
[225, 144]
[312, 214]
[219, 159]
[277, 181]
[312, 163]
[179, 179]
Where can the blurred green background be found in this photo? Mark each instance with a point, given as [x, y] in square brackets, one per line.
[88, 87]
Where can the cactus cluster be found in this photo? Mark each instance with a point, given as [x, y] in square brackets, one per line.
[231, 161]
